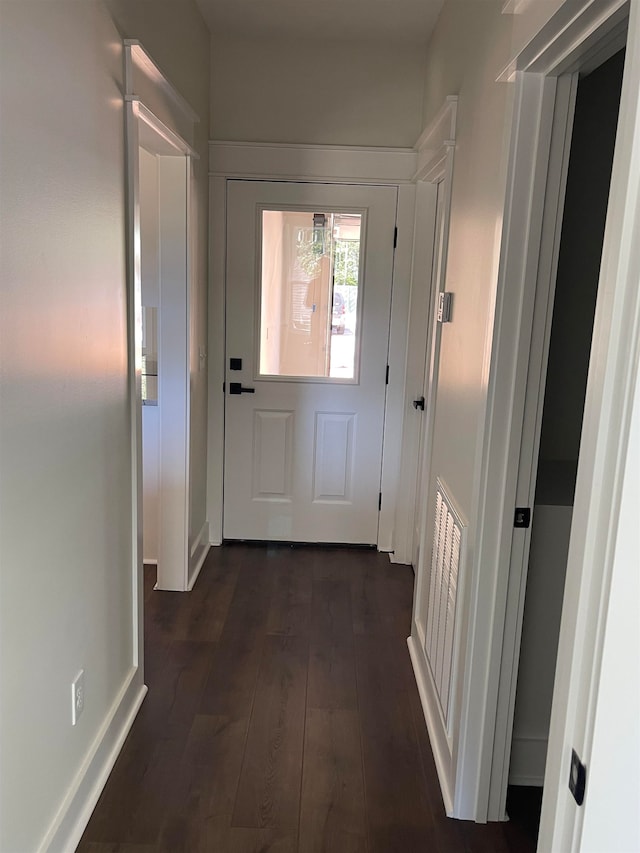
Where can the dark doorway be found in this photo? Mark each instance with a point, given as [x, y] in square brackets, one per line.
[580, 251]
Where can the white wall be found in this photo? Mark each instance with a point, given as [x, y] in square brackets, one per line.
[66, 496]
[150, 292]
[466, 54]
[471, 46]
[612, 817]
[473, 42]
[337, 93]
[65, 488]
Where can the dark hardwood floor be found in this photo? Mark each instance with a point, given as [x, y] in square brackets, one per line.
[282, 716]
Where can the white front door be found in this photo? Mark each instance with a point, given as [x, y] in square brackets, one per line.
[309, 269]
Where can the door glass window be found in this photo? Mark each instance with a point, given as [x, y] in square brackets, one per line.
[309, 294]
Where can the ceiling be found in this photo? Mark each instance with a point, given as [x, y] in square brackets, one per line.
[395, 21]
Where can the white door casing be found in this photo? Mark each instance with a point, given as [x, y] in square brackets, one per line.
[432, 357]
[367, 166]
[433, 179]
[303, 455]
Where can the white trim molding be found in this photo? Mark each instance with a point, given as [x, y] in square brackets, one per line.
[435, 152]
[567, 40]
[332, 163]
[160, 129]
[164, 132]
[515, 7]
[528, 758]
[74, 813]
[436, 141]
[198, 554]
[139, 64]
[440, 745]
[321, 164]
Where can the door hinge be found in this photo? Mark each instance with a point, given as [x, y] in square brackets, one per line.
[379, 501]
[224, 387]
[395, 237]
[386, 378]
[577, 778]
[445, 303]
[522, 517]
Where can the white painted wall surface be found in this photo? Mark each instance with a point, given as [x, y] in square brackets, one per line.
[65, 488]
[471, 46]
[612, 817]
[478, 35]
[472, 43]
[539, 646]
[318, 93]
[150, 291]
[65, 501]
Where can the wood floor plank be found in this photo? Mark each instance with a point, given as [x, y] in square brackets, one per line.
[208, 603]
[251, 599]
[329, 563]
[269, 788]
[129, 810]
[176, 687]
[205, 784]
[367, 616]
[163, 612]
[115, 847]
[246, 840]
[332, 674]
[331, 611]
[290, 608]
[397, 807]
[446, 831]
[332, 809]
[230, 686]
[268, 683]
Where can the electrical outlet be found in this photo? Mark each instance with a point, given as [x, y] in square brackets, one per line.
[77, 697]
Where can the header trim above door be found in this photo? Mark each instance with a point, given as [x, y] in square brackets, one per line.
[332, 163]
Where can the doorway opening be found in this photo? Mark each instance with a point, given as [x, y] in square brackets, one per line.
[564, 386]
[163, 203]
[160, 241]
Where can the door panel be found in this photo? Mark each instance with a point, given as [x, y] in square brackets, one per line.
[309, 269]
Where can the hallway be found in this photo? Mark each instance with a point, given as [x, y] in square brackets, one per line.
[282, 715]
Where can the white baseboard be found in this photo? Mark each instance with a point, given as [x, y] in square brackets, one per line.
[76, 809]
[437, 735]
[398, 560]
[528, 761]
[198, 554]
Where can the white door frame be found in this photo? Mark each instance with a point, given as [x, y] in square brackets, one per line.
[435, 148]
[321, 164]
[436, 168]
[143, 126]
[538, 313]
[582, 31]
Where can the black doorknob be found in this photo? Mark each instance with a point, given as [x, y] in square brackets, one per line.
[238, 388]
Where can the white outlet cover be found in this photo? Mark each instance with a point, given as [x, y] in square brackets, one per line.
[77, 697]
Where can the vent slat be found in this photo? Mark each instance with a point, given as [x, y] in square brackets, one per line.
[443, 587]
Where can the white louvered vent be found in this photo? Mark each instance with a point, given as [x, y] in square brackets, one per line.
[448, 537]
